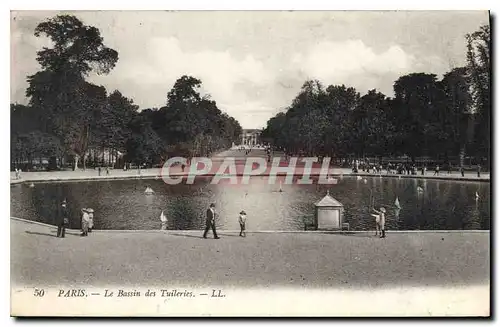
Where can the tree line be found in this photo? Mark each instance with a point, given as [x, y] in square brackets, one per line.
[427, 117]
[69, 119]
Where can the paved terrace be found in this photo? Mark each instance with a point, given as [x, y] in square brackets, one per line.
[239, 158]
[289, 259]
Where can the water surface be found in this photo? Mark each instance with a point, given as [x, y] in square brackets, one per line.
[444, 205]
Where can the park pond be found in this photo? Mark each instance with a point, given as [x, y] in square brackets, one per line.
[122, 204]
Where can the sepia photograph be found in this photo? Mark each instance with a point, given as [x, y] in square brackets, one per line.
[250, 163]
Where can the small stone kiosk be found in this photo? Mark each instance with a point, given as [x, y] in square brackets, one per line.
[329, 214]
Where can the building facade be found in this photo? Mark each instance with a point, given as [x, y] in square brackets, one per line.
[250, 137]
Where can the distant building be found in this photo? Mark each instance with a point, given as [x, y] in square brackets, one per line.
[250, 137]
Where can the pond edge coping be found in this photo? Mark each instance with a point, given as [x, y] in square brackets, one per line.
[157, 177]
[171, 231]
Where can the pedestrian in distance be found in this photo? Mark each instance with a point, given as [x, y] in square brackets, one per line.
[99, 171]
[462, 171]
[210, 221]
[436, 171]
[478, 170]
[62, 219]
[242, 219]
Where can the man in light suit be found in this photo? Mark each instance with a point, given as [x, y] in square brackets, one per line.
[210, 222]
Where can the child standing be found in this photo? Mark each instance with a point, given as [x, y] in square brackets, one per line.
[380, 221]
[242, 219]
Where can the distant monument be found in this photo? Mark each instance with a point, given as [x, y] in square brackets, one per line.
[250, 137]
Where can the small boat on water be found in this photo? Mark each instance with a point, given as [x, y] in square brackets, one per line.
[33, 185]
[477, 196]
[396, 203]
[332, 180]
[420, 190]
[359, 178]
[149, 191]
[163, 218]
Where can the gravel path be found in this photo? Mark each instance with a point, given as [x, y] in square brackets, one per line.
[315, 260]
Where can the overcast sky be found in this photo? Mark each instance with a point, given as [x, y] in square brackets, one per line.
[254, 63]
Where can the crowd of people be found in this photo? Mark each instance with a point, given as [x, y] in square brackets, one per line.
[403, 168]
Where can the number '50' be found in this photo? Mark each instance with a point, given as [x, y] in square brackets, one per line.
[39, 293]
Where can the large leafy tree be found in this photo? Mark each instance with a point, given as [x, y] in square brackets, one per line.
[458, 121]
[417, 99]
[372, 128]
[192, 124]
[479, 70]
[68, 102]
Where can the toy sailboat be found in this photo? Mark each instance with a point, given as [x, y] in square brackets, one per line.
[163, 218]
[419, 189]
[477, 196]
[359, 178]
[332, 180]
[396, 203]
[148, 191]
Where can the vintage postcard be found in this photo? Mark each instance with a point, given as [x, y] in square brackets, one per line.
[250, 163]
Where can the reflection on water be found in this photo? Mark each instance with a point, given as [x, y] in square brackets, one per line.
[123, 204]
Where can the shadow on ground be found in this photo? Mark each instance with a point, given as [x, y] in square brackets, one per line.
[52, 235]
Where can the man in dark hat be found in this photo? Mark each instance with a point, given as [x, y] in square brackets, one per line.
[210, 222]
[62, 219]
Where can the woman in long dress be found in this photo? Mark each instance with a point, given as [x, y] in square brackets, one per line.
[85, 222]
[91, 218]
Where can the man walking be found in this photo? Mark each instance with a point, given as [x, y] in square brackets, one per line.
[210, 222]
[436, 171]
[62, 219]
